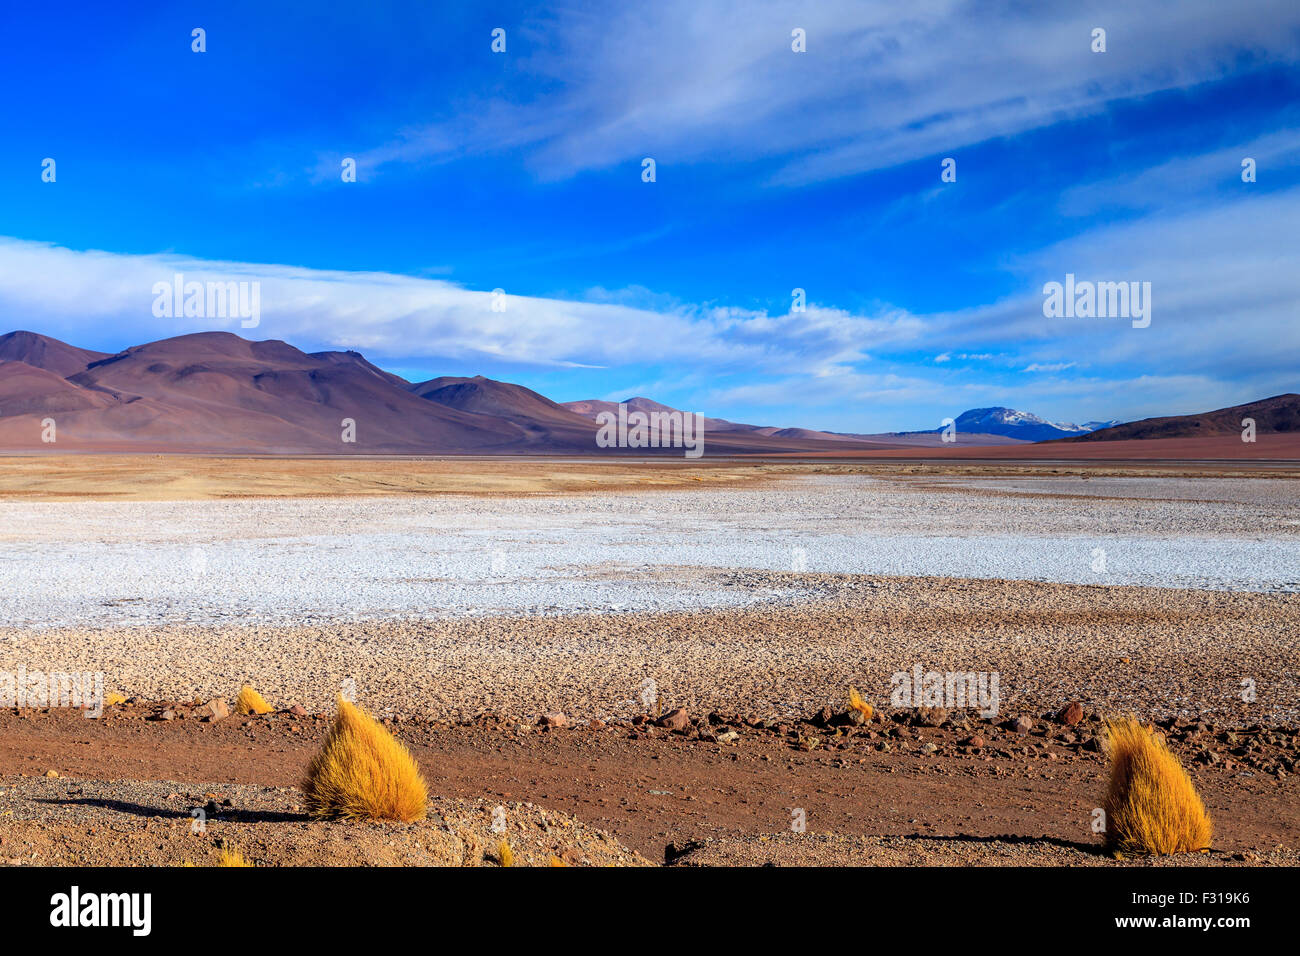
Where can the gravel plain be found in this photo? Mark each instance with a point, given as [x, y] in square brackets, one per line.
[58, 822]
[1159, 596]
[1156, 595]
[304, 561]
[1150, 651]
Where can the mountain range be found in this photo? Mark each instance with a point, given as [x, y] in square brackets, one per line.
[1279, 414]
[215, 392]
[1024, 426]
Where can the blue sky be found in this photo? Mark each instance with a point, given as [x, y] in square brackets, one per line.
[776, 170]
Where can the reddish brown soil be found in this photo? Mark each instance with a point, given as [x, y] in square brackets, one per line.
[665, 788]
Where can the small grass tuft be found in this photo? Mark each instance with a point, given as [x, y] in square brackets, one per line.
[1151, 806]
[857, 703]
[250, 701]
[229, 856]
[113, 698]
[505, 855]
[363, 773]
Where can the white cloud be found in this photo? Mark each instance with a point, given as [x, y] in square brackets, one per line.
[880, 83]
[70, 294]
[1049, 366]
[1185, 181]
[1225, 325]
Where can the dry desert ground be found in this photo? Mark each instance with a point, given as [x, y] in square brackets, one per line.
[646, 662]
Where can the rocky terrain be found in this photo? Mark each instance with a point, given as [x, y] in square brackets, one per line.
[652, 675]
[61, 822]
[906, 787]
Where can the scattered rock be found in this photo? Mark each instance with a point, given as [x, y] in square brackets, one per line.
[555, 720]
[1022, 725]
[214, 710]
[727, 736]
[675, 719]
[595, 724]
[1072, 713]
[931, 716]
[298, 710]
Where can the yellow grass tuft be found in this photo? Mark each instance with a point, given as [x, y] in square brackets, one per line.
[1151, 805]
[113, 698]
[505, 854]
[229, 856]
[556, 861]
[363, 773]
[857, 703]
[250, 701]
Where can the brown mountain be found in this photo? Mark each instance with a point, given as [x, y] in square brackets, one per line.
[1281, 413]
[485, 396]
[357, 360]
[590, 408]
[214, 392]
[41, 351]
[27, 390]
[722, 429]
[219, 393]
[547, 426]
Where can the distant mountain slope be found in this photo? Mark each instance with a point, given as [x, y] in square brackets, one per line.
[984, 426]
[357, 360]
[1281, 413]
[487, 396]
[41, 351]
[214, 392]
[1011, 423]
[27, 390]
[592, 407]
[215, 389]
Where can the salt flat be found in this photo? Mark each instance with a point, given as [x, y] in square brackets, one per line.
[286, 561]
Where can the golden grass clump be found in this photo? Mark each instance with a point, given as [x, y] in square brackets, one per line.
[857, 703]
[113, 698]
[229, 856]
[250, 701]
[1151, 805]
[363, 773]
[505, 854]
[556, 861]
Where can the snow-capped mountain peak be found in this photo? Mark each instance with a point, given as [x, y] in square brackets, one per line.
[1013, 423]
